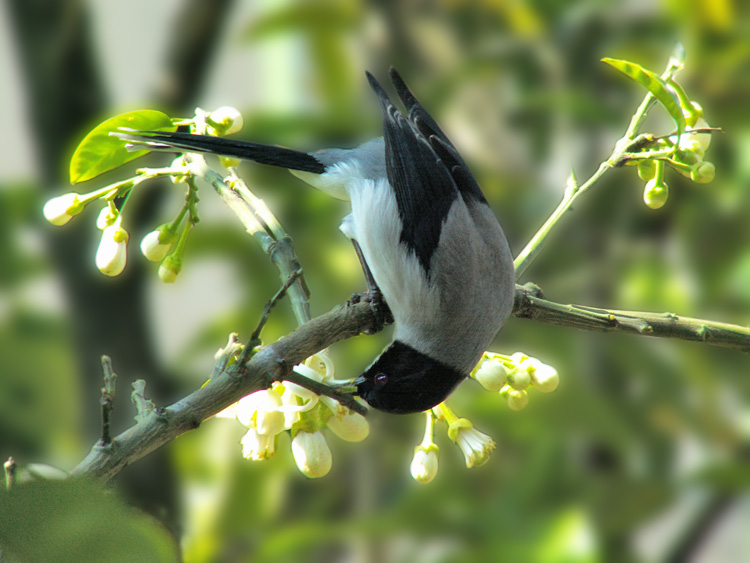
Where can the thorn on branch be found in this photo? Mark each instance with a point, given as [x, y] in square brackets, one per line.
[702, 332]
[107, 399]
[143, 406]
[224, 355]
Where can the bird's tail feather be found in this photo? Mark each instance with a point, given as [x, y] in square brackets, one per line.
[187, 142]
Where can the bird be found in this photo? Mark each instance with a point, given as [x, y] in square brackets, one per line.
[430, 246]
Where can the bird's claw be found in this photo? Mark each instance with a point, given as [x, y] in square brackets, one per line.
[381, 313]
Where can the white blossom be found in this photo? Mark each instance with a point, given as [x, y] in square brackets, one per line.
[261, 410]
[475, 445]
[257, 447]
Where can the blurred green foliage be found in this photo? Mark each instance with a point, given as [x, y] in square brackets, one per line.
[73, 521]
[581, 474]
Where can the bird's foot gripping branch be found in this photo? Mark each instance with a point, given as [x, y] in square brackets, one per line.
[289, 385]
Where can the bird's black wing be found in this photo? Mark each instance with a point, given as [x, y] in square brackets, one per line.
[438, 140]
[423, 185]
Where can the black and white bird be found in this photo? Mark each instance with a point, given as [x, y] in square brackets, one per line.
[427, 239]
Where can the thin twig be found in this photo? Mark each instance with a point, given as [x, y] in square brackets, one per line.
[255, 336]
[107, 398]
[623, 147]
[346, 399]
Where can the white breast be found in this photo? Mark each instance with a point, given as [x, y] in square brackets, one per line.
[455, 314]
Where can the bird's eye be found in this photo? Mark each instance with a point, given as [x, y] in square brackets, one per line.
[381, 379]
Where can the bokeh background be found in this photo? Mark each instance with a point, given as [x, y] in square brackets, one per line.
[640, 455]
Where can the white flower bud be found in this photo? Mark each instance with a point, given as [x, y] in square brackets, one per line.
[111, 254]
[350, 426]
[312, 454]
[105, 218]
[519, 378]
[492, 375]
[424, 464]
[156, 244]
[59, 210]
[518, 357]
[517, 399]
[543, 377]
[169, 268]
[226, 120]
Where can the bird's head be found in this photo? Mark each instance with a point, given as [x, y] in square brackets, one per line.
[403, 380]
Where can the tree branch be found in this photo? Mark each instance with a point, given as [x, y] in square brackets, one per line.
[621, 152]
[108, 398]
[530, 304]
[273, 363]
[259, 222]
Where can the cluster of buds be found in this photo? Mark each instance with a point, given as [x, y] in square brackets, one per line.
[111, 253]
[167, 242]
[513, 375]
[683, 153]
[288, 407]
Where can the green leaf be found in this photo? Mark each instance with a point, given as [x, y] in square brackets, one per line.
[76, 521]
[654, 84]
[99, 152]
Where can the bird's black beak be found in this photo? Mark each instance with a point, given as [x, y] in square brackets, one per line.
[359, 381]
